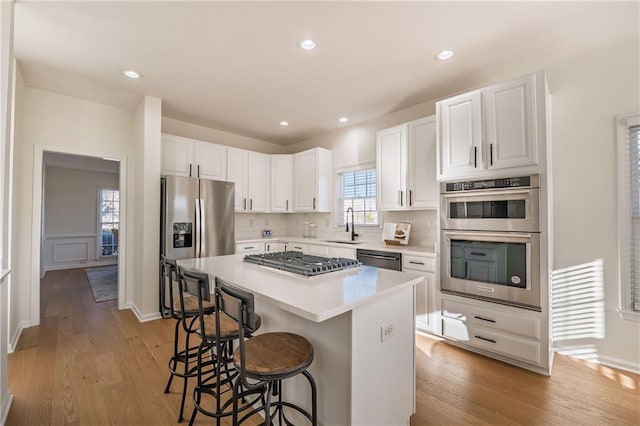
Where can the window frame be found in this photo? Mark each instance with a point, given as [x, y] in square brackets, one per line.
[625, 226]
[99, 222]
[338, 193]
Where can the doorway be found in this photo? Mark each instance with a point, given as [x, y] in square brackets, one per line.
[79, 216]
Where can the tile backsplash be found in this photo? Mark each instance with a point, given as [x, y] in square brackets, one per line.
[424, 226]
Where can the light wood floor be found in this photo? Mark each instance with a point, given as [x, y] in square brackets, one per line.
[90, 364]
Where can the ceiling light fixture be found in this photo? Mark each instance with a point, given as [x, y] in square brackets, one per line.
[132, 74]
[307, 44]
[343, 119]
[284, 123]
[443, 55]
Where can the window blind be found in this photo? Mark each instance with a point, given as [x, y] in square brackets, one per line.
[634, 170]
[357, 190]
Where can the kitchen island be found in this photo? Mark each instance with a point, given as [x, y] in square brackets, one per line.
[361, 324]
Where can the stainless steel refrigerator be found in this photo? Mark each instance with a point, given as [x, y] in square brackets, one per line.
[197, 219]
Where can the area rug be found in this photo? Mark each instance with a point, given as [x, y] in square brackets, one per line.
[103, 282]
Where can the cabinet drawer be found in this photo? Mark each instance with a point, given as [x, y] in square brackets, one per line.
[418, 263]
[317, 250]
[297, 247]
[492, 319]
[492, 340]
[250, 248]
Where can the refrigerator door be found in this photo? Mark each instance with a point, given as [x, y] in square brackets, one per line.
[218, 218]
[178, 227]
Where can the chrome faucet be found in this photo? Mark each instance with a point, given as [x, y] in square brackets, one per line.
[353, 225]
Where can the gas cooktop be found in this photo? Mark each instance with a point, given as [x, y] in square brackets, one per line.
[302, 264]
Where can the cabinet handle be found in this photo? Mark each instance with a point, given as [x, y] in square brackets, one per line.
[198, 170]
[476, 253]
[484, 319]
[248, 248]
[485, 339]
[296, 247]
[399, 197]
[475, 156]
[250, 203]
[416, 263]
[287, 207]
[491, 154]
[244, 204]
[410, 198]
[268, 247]
[190, 167]
[314, 203]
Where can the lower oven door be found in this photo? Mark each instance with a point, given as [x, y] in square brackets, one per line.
[502, 267]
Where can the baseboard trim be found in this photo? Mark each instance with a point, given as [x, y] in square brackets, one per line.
[4, 409]
[143, 317]
[15, 338]
[78, 265]
[619, 364]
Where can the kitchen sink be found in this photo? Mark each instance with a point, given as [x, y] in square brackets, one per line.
[344, 241]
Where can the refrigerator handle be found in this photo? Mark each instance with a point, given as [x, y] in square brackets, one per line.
[203, 223]
[197, 228]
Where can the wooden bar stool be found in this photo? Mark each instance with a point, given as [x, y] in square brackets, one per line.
[184, 309]
[215, 372]
[264, 361]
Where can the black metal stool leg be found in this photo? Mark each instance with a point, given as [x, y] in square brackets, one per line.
[174, 358]
[314, 398]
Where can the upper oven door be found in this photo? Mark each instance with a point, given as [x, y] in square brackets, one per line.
[511, 210]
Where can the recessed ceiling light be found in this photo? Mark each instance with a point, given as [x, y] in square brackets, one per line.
[443, 55]
[132, 74]
[307, 44]
[343, 119]
[284, 123]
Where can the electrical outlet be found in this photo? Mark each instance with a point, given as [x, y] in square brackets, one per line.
[387, 330]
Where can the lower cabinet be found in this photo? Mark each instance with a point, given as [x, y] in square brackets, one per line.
[515, 336]
[277, 246]
[349, 253]
[250, 248]
[317, 250]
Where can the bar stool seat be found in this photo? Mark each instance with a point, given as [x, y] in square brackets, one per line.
[275, 355]
[191, 305]
[229, 328]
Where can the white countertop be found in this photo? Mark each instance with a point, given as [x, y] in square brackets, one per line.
[317, 298]
[368, 245]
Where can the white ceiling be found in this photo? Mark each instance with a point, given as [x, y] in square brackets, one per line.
[235, 66]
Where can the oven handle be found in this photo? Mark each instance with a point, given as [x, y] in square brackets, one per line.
[468, 194]
[378, 256]
[517, 235]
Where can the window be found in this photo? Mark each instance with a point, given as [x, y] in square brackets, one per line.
[108, 221]
[357, 189]
[629, 210]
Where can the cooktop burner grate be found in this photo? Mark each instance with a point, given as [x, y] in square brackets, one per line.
[302, 264]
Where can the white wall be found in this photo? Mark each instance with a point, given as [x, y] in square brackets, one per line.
[70, 212]
[588, 91]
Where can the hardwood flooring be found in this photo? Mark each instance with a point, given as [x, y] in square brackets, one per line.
[90, 364]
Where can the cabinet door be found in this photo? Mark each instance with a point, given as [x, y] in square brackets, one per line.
[177, 156]
[422, 190]
[305, 178]
[426, 315]
[460, 135]
[250, 248]
[510, 124]
[257, 180]
[391, 166]
[345, 252]
[211, 161]
[317, 250]
[237, 160]
[281, 183]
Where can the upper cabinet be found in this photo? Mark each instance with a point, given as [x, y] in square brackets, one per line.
[191, 158]
[406, 166]
[249, 171]
[312, 181]
[484, 132]
[281, 183]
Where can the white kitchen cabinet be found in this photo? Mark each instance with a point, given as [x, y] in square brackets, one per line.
[346, 252]
[192, 158]
[319, 250]
[406, 166]
[281, 183]
[426, 312]
[250, 248]
[493, 129]
[275, 246]
[391, 167]
[296, 247]
[312, 180]
[249, 171]
[422, 182]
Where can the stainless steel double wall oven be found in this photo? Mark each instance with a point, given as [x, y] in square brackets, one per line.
[490, 241]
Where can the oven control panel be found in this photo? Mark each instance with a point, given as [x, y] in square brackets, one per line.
[512, 182]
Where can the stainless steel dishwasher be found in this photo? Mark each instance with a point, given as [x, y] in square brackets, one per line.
[380, 259]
